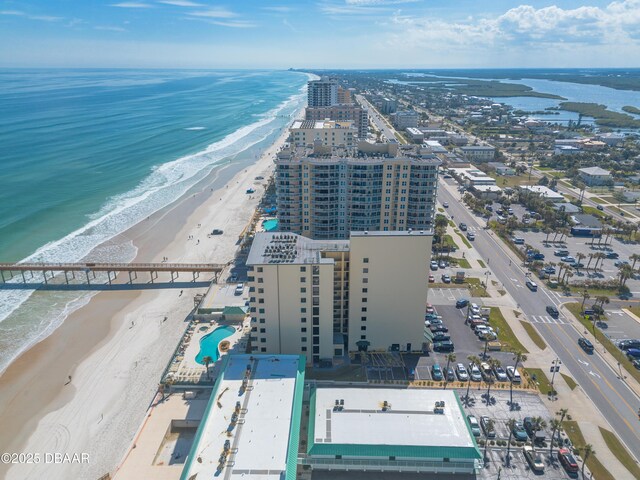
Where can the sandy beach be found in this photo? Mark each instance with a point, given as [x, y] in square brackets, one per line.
[116, 347]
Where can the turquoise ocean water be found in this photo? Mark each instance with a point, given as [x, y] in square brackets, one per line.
[85, 154]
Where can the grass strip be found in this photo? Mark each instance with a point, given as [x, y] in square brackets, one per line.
[570, 381]
[475, 287]
[615, 352]
[598, 470]
[464, 240]
[482, 264]
[542, 381]
[620, 452]
[505, 334]
[535, 336]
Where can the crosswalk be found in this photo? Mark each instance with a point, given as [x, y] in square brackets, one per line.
[546, 319]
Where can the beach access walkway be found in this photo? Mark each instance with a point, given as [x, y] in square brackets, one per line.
[49, 270]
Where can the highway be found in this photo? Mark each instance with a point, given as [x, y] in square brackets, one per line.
[611, 396]
[377, 118]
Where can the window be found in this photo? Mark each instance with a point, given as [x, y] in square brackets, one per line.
[261, 300]
[303, 310]
[260, 269]
[303, 329]
[365, 280]
[316, 340]
[316, 270]
[365, 270]
[303, 290]
[364, 299]
[303, 269]
[365, 260]
[364, 309]
[262, 320]
[261, 310]
[303, 300]
[303, 339]
[316, 320]
[365, 290]
[263, 349]
[263, 340]
[316, 330]
[316, 310]
[316, 300]
[303, 320]
[363, 327]
[304, 349]
[316, 290]
[263, 330]
[260, 280]
[363, 337]
[261, 290]
[303, 279]
[316, 350]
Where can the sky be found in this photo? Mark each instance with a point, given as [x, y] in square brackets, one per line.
[319, 33]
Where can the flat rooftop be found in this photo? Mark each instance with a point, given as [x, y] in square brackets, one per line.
[409, 422]
[260, 444]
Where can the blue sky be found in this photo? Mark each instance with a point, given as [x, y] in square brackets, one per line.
[319, 33]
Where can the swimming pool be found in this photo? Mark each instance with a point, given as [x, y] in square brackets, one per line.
[270, 224]
[209, 343]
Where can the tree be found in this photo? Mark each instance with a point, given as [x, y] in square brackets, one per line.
[585, 297]
[579, 257]
[511, 423]
[634, 258]
[493, 363]
[591, 255]
[207, 360]
[476, 361]
[518, 357]
[547, 232]
[625, 272]
[556, 425]
[490, 425]
[586, 451]
[537, 424]
[451, 357]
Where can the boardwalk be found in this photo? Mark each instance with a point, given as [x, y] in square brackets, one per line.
[48, 270]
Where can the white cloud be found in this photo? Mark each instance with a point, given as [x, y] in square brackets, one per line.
[42, 18]
[132, 5]
[377, 2]
[524, 24]
[233, 23]
[109, 28]
[15, 13]
[218, 12]
[181, 3]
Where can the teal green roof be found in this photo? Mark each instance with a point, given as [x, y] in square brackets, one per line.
[294, 428]
[403, 451]
[234, 311]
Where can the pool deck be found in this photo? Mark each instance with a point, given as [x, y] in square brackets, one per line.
[185, 369]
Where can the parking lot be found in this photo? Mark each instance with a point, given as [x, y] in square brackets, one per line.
[583, 245]
[500, 413]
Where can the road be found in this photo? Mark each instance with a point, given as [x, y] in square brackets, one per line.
[611, 396]
[377, 119]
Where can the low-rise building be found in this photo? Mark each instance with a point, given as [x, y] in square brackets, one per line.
[414, 135]
[324, 298]
[545, 192]
[472, 176]
[595, 176]
[405, 119]
[479, 153]
[329, 132]
[389, 430]
[610, 138]
[502, 169]
[486, 192]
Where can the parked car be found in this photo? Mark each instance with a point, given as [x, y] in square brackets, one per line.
[446, 278]
[612, 255]
[462, 226]
[451, 376]
[474, 373]
[537, 256]
[561, 252]
[475, 426]
[568, 259]
[513, 374]
[233, 278]
[519, 433]
[434, 265]
[534, 458]
[471, 236]
[600, 207]
[633, 353]
[441, 337]
[461, 303]
[438, 328]
[567, 460]
[487, 335]
[619, 263]
[501, 375]
[549, 270]
[429, 309]
[436, 373]
[239, 289]
[432, 279]
[475, 308]
[485, 370]
[586, 345]
[461, 373]
[553, 311]
[217, 231]
[446, 346]
[489, 430]
[442, 264]
[518, 240]
[629, 343]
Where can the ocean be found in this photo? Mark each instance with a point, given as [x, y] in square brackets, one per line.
[86, 154]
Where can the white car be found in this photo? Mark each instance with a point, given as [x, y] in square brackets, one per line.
[475, 309]
[239, 289]
[513, 374]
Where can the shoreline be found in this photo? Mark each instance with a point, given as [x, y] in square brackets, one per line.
[115, 368]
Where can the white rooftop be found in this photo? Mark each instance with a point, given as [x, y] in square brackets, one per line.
[261, 434]
[594, 171]
[409, 421]
[543, 191]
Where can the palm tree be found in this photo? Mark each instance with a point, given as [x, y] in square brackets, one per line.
[519, 357]
[207, 360]
[634, 258]
[490, 426]
[451, 357]
[547, 232]
[475, 360]
[579, 258]
[511, 423]
[557, 427]
[493, 362]
[599, 258]
[568, 273]
[586, 452]
[585, 297]
[625, 272]
[591, 255]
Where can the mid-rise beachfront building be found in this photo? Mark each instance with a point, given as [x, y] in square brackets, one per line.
[330, 132]
[344, 95]
[405, 119]
[324, 298]
[322, 93]
[326, 192]
[478, 153]
[341, 113]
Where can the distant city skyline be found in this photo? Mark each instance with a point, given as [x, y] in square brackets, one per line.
[320, 34]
